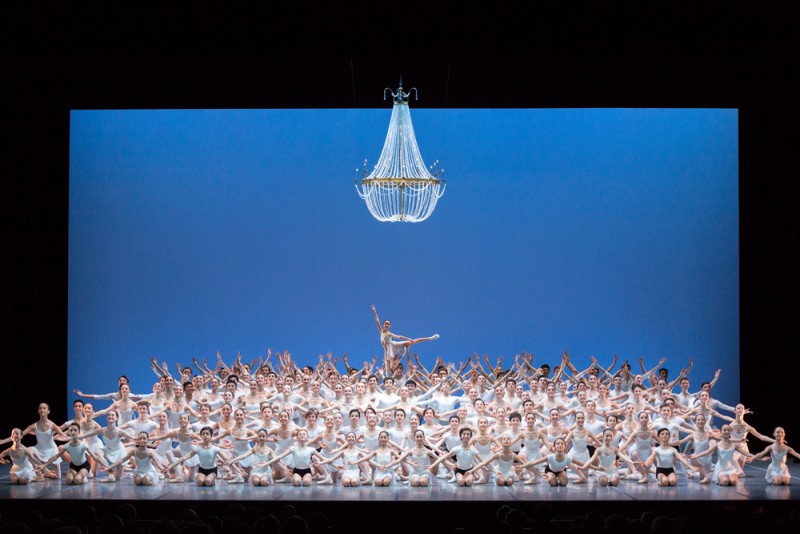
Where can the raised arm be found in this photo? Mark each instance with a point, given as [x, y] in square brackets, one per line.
[377, 320]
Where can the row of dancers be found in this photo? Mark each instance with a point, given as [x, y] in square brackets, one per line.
[270, 421]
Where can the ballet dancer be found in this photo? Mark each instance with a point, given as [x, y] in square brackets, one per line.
[46, 431]
[777, 471]
[23, 458]
[556, 464]
[665, 456]
[79, 452]
[260, 453]
[395, 346]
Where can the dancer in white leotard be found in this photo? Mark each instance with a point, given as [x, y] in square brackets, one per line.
[284, 434]
[725, 471]
[23, 458]
[45, 448]
[184, 437]
[112, 449]
[240, 438]
[483, 442]
[504, 461]
[124, 405]
[777, 471]
[701, 441]
[604, 460]
[302, 456]
[395, 346]
[147, 465]
[418, 458]
[350, 457]
[739, 431]
[261, 454]
[380, 460]
[579, 436]
[329, 440]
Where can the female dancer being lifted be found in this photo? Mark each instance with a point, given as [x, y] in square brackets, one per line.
[395, 346]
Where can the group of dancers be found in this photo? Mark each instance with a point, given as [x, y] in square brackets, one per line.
[270, 421]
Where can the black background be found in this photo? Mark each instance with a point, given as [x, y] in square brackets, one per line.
[57, 56]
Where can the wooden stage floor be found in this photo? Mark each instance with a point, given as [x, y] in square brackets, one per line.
[752, 488]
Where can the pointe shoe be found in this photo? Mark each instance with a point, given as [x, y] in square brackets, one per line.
[325, 481]
[435, 336]
[108, 479]
[236, 480]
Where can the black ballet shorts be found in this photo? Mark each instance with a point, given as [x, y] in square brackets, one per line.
[301, 472]
[666, 471]
[548, 470]
[77, 468]
[460, 471]
[206, 472]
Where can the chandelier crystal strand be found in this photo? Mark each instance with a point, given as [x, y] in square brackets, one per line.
[401, 188]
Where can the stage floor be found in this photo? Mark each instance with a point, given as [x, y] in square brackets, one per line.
[752, 488]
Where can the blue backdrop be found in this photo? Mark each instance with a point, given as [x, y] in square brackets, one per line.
[597, 231]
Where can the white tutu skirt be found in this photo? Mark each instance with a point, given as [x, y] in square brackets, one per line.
[774, 471]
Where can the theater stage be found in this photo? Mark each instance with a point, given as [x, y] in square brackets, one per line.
[752, 488]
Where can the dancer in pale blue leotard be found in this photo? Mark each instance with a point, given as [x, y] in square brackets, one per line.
[556, 465]
[777, 470]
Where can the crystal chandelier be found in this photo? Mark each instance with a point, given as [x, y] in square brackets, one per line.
[400, 187]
